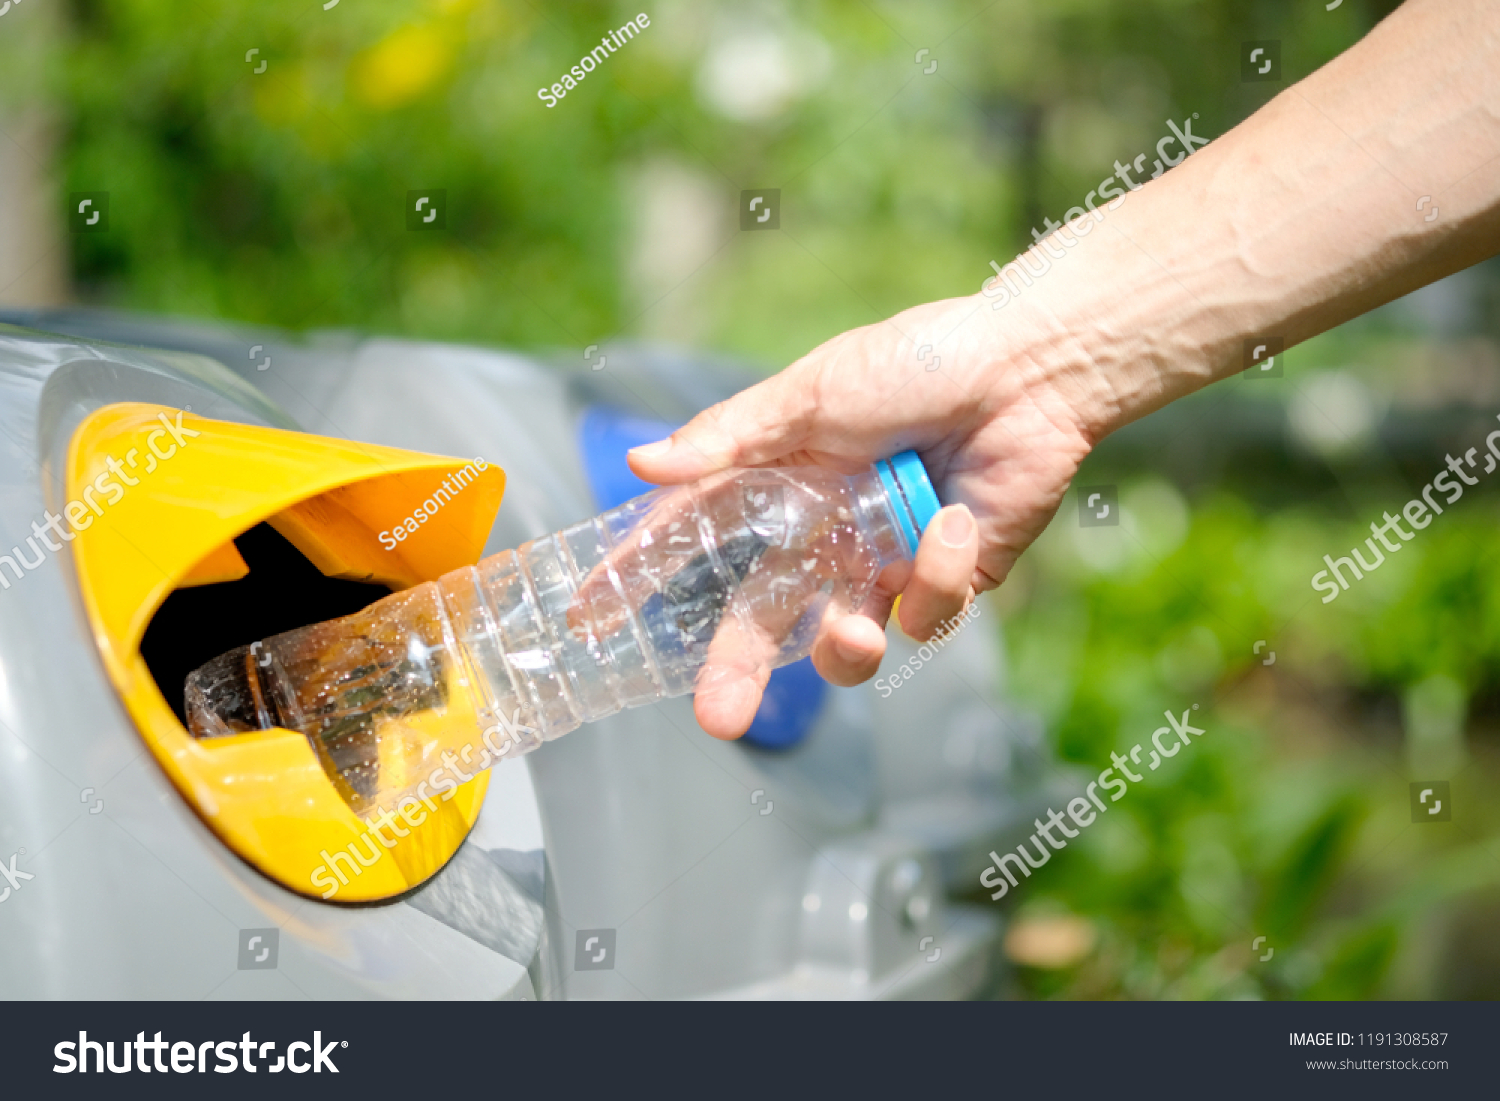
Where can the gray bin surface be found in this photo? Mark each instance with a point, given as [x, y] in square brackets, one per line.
[633, 858]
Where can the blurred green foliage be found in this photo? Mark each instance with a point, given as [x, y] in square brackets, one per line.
[279, 198]
[1290, 819]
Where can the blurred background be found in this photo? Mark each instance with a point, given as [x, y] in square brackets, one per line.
[270, 188]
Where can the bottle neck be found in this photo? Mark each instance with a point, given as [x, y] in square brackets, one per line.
[878, 518]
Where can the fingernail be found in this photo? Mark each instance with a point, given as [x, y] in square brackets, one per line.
[652, 450]
[848, 653]
[956, 527]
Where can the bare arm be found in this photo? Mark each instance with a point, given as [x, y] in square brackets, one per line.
[1300, 218]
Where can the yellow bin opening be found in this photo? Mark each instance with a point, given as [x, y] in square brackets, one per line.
[156, 497]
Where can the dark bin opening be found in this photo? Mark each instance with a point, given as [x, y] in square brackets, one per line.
[282, 591]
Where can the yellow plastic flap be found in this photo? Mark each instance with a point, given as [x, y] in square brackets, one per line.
[223, 564]
[156, 497]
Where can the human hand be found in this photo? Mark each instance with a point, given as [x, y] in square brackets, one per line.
[1000, 436]
[1154, 297]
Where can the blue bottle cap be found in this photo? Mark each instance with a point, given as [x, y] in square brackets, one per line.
[911, 493]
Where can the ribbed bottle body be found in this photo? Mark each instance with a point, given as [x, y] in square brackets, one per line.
[626, 608]
[730, 576]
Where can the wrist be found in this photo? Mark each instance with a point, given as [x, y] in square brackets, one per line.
[1135, 315]
[1078, 346]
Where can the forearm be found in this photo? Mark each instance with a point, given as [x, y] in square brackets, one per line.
[1300, 218]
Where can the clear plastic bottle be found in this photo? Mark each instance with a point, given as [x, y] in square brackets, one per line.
[415, 693]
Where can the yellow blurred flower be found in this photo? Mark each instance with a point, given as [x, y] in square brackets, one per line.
[406, 63]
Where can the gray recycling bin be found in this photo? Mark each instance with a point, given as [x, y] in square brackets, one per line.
[634, 858]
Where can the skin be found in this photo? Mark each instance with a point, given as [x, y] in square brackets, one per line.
[1300, 218]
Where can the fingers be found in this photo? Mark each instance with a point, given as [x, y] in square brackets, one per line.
[727, 709]
[941, 582]
[734, 675]
[758, 425]
[729, 692]
[849, 651]
[834, 403]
